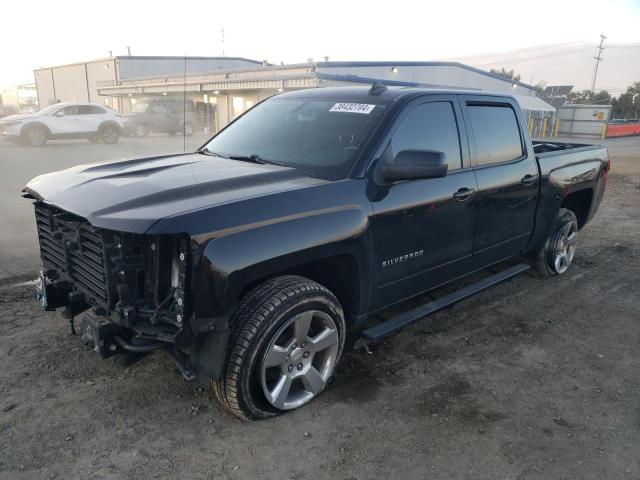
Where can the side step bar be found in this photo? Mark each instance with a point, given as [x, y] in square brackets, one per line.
[394, 325]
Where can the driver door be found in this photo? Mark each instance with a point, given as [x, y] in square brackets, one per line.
[423, 229]
[66, 121]
[159, 116]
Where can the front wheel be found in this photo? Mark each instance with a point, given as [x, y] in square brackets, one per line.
[286, 339]
[186, 129]
[36, 136]
[557, 254]
[139, 131]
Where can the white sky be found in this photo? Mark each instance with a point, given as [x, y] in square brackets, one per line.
[46, 32]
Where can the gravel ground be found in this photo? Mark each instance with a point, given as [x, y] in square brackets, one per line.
[531, 379]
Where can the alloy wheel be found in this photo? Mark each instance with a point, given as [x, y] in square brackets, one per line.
[299, 359]
[565, 247]
[110, 135]
[37, 137]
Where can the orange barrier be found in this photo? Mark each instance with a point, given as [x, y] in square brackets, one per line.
[623, 130]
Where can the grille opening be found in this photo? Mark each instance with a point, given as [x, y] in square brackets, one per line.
[71, 246]
[140, 285]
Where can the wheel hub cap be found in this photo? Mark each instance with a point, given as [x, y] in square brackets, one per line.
[299, 359]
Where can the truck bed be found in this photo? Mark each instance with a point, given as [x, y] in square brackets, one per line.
[540, 147]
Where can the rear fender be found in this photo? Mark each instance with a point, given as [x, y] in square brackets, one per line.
[560, 181]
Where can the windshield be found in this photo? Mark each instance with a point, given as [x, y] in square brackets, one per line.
[50, 109]
[140, 107]
[321, 137]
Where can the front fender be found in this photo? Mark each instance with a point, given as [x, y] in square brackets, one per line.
[240, 259]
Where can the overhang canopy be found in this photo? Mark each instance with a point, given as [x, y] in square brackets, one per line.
[534, 104]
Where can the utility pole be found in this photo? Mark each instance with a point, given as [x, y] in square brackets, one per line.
[597, 59]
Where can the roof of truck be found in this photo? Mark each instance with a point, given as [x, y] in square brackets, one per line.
[390, 93]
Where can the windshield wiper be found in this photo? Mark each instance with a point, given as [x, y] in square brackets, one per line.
[254, 158]
[206, 151]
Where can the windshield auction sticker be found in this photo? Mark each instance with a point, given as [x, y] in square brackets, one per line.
[364, 108]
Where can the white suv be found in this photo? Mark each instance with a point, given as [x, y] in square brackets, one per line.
[63, 120]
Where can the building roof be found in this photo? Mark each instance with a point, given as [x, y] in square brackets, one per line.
[148, 57]
[420, 64]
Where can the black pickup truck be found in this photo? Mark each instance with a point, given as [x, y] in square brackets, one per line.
[249, 259]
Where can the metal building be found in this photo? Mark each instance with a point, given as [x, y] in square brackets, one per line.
[228, 93]
[78, 82]
[577, 120]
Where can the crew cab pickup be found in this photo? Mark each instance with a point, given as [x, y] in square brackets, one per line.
[250, 259]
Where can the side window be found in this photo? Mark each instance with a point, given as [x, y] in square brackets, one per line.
[90, 110]
[430, 126]
[72, 110]
[158, 109]
[497, 134]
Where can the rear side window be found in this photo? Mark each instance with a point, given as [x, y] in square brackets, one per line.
[497, 134]
[430, 126]
[90, 110]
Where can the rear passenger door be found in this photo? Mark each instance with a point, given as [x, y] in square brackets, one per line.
[507, 175]
[91, 117]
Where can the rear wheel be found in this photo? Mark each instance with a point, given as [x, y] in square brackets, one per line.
[109, 134]
[36, 136]
[557, 254]
[287, 337]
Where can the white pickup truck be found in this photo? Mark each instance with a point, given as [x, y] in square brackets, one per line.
[63, 120]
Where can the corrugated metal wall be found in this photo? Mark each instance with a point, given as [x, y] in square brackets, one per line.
[583, 120]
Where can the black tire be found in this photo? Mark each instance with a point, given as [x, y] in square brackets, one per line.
[109, 134]
[259, 319]
[36, 136]
[543, 262]
[139, 131]
[185, 129]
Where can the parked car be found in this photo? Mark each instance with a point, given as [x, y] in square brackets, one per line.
[622, 121]
[63, 121]
[162, 115]
[6, 110]
[250, 259]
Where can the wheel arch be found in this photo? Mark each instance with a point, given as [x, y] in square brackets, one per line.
[217, 292]
[110, 123]
[579, 202]
[339, 273]
[25, 128]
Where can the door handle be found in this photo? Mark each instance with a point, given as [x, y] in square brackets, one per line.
[464, 193]
[528, 180]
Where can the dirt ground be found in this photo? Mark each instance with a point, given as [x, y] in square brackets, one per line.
[533, 379]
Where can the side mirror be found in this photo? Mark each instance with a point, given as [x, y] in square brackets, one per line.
[415, 164]
[59, 113]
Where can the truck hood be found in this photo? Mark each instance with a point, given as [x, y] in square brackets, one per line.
[132, 195]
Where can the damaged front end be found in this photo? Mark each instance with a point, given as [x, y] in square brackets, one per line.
[127, 293]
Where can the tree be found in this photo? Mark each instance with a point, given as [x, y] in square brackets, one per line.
[509, 74]
[627, 105]
[588, 97]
